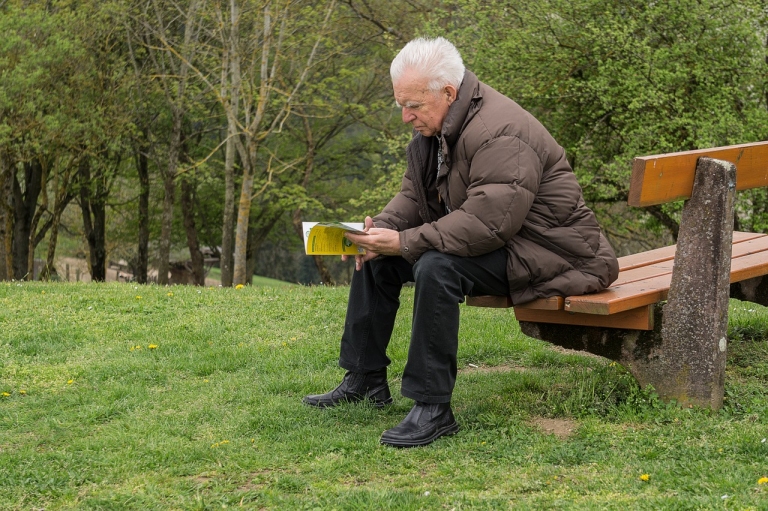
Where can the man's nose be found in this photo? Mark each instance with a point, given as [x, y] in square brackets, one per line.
[408, 116]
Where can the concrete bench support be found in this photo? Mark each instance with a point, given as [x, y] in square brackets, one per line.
[695, 324]
[683, 357]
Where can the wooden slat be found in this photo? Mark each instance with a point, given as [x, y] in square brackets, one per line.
[640, 259]
[662, 178]
[635, 319]
[616, 299]
[553, 303]
[749, 266]
[658, 255]
[644, 272]
[748, 259]
[497, 302]
[644, 284]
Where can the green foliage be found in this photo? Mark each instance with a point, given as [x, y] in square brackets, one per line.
[390, 167]
[118, 396]
[614, 80]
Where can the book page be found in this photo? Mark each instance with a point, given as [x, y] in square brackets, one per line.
[327, 238]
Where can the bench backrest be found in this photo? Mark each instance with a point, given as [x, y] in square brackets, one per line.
[663, 178]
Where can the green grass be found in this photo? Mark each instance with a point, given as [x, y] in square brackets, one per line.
[257, 280]
[93, 418]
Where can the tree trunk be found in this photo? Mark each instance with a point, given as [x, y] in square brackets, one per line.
[24, 205]
[325, 273]
[142, 256]
[230, 83]
[667, 221]
[187, 209]
[166, 226]
[62, 200]
[49, 269]
[169, 182]
[36, 236]
[6, 217]
[228, 227]
[259, 229]
[93, 206]
[241, 233]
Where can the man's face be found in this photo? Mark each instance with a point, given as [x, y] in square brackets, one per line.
[423, 109]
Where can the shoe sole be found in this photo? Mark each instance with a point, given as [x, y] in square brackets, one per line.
[450, 429]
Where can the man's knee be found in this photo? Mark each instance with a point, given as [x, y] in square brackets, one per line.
[434, 264]
[391, 269]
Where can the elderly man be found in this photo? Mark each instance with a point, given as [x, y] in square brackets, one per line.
[488, 205]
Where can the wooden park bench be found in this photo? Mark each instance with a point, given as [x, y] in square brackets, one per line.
[665, 319]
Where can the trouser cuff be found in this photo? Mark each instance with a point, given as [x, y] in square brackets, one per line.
[422, 398]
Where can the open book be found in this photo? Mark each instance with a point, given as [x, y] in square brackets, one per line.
[327, 238]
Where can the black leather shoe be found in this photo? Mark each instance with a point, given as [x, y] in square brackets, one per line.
[356, 387]
[425, 423]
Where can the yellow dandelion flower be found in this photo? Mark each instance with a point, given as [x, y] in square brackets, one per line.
[239, 286]
[6, 394]
[43, 292]
[645, 477]
[23, 392]
[170, 293]
[138, 297]
[152, 346]
[762, 480]
[70, 382]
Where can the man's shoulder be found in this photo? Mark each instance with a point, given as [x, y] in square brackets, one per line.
[499, 116]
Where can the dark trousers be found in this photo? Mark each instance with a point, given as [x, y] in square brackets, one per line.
[441, 282]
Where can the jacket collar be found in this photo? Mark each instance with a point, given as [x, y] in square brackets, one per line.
[462, 110]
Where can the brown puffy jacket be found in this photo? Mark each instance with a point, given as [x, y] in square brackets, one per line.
[504, 181]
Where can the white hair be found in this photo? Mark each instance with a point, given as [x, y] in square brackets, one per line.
[435, 59]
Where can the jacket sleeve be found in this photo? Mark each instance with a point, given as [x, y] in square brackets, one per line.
[504, 178]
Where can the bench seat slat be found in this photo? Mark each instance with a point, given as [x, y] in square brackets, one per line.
[623, 297]
[638, 286]
[640, 318]
[749, 266]
[659, 255]
[552, 303]
[748, 260]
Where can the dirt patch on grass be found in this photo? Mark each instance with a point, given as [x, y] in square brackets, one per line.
[504, 368]
[561, 428]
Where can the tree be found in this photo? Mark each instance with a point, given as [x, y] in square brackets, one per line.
[40, 67]
[170, 33]
[6, 217]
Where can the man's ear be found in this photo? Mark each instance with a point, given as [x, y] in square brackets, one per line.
[450, 93]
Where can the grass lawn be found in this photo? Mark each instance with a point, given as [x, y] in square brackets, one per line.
[117, 396]
[257, 280]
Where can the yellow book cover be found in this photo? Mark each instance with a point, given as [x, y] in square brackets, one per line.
[327, 238]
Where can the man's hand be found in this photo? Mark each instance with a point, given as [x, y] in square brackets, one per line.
[377, 242]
